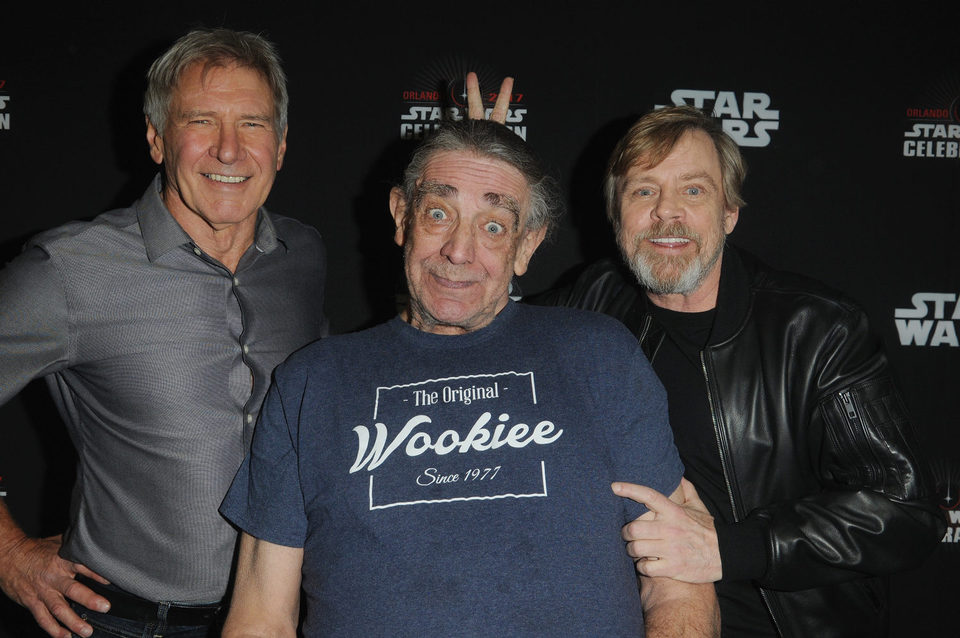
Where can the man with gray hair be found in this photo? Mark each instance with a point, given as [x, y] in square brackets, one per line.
[781, 402]
[157, 327]
[448, 473]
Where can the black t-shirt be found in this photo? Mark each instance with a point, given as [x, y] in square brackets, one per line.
[678, 364]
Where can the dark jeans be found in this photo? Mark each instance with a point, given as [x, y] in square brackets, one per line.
[107, 626]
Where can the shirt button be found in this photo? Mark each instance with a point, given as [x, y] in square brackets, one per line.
[249, 418]
[196, 251]
[236, 282]
[246, 349]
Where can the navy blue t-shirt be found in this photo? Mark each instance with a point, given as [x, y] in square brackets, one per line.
[460, 485]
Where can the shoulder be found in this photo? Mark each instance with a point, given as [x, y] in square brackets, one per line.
[784, 285]
[329, 355]
[576, 327]
[295, 232]
[803, 304]
[603, 286]
[74, 235]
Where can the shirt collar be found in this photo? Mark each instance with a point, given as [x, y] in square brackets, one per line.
[161, 232]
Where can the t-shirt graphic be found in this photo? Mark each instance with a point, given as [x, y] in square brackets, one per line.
[438, 456]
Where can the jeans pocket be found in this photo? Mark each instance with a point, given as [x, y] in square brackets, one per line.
[107, 626]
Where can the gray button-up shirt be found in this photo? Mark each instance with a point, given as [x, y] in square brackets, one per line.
[158, 359]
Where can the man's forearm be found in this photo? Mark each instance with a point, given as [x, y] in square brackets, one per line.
[266, 596]
[672, 609]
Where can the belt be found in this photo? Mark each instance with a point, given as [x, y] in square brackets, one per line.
[130, 607]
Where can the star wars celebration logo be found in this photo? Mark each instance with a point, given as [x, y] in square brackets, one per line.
[932, 321]
[933, 126]
[746, 117]
[4, 101]
[439, 93]
[947, 480]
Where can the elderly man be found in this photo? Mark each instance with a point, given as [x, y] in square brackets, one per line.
[780, 399]
[448, 472]
[157, 328]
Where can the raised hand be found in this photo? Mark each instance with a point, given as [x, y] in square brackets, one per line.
[475, 110]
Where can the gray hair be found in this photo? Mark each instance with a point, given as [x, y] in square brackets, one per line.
[494, 141]
[214, 47]
[652, 138]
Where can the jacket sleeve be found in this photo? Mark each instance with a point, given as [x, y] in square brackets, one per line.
[875, 512]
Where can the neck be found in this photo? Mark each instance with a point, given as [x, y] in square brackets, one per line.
[226, 244]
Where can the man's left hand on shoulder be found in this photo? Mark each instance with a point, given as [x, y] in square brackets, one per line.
[674, 539]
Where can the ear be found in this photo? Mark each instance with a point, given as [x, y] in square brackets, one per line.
[154, 142]
[283, 148]
[528, 245]
[398, 208]
[730, 218]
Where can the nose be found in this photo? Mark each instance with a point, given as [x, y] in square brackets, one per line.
[227, 147]
[668, 206]
[460, 244]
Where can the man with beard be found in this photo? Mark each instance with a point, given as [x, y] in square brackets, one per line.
[780, 399]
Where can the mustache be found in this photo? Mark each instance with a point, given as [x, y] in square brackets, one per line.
[672, 229]
[659, 230]
[453, 273]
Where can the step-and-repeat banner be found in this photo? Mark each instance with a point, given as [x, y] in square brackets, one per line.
[849, 119]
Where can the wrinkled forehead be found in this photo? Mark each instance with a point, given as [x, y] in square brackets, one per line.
[226, 80]
[471, 178]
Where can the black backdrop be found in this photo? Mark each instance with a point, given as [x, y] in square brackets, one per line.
[849, 118]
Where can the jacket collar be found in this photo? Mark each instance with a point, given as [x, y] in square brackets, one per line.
[733, 296]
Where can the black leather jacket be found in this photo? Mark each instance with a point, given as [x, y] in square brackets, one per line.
[816, 446]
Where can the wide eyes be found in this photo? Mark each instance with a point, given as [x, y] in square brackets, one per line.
[440, 215]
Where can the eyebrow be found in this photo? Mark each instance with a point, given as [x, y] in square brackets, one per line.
[433, 188]
[684, 177]
[199, 113]
[495, 200]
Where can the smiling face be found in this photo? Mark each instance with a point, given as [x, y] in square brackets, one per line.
[464, 237]
[219, 149]
[673, 222]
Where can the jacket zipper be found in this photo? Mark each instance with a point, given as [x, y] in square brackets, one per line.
[721, 449]
[848, 406]
[719, 437]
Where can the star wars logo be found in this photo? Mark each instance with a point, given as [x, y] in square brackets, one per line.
[4, 117]
[947, 482]
[747, 118]
[952, 535]
[427, 109]
[933, 133]
[930, 322]
[420, 120]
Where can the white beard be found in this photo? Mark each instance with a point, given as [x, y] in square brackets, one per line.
[647, 270]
